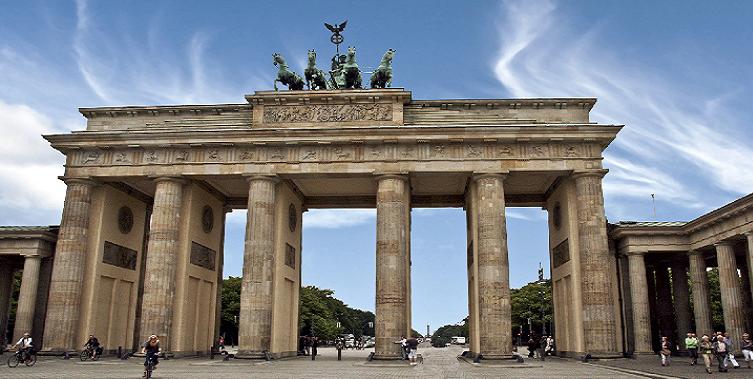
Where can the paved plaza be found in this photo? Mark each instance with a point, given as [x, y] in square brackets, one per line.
[438, 363]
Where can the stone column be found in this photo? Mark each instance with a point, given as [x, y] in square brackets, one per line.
[161, 261]
[599, 326]
[664, 310]
[700, 281]
[729, 283]
[495, 335]
[749, 263]
[6, 291]
[257, 296]
[392, 202]
[640, 300]
[681, 297]
[27, 296]
[64, 304]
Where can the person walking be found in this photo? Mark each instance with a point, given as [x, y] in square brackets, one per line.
[730, 352]
[531, 345]
[314, 347]
[746, 345]
[666, 351]
[307, 345]
[707, 351]
[720, 351]
[412, 344]
[541, 347]
[691, 343]
[549, 350]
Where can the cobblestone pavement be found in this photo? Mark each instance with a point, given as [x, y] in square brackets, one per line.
[679, 368]
[438, 363]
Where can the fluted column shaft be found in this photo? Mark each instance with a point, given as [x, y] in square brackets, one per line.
[732, 300]
[749, 261]
[495, 335]
[599, 327]
[6, 289]
[681, 296]
[64, 302]
[700, 286]
[393, 202]
[27, 296]
[161, 261]
[640, 302]
[257, 291]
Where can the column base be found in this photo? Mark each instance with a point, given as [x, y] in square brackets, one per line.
[386, 357]
[249, 354]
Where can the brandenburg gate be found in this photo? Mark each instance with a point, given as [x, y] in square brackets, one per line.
[140, 252]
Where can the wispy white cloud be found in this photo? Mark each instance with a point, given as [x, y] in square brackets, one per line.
[29, 189]
[119, 67]
[337, 218]
[667, 137]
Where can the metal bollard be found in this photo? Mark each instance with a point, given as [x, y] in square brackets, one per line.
[120, 352]
[339, 354]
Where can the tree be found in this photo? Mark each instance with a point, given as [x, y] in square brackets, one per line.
[444, 334]
[534, 301]
[231, 307]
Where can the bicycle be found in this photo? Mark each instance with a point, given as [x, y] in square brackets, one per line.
[29, 358]
[87, 354]
[149, 368]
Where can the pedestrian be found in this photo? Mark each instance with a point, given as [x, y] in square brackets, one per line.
[403, 347]
[666, 351]
[412, 344]
[532, 344]
[221, 343]
[541, 347]
[691, 343]
[307, 345]
[731, 352]
[747, 347]
[314, 346]
[549, 346]
[707, 351]
[720, 351]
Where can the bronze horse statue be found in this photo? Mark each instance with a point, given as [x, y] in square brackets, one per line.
[350, 72]
[382, 76]
[284, 75]
[315, 78]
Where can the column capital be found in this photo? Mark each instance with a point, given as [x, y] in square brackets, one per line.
[391, 175]
[272, 178]
[748, 234]
[482, 175]
[724, 243]
[175, 179]
[635, 253]
[88, 181]
[589, 173]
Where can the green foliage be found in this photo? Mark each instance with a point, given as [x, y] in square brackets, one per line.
[534, 301]
[13, 305]
[320, 311]
[715, 299]
[444, 334]
[231, 307]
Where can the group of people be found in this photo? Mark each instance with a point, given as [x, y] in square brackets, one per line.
[409, 349]
[719, 346]
[309, 346]
[540, 346]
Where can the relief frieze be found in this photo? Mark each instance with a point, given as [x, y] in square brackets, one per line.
[327, 113]
[323, 153]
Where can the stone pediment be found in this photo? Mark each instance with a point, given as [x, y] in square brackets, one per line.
[352, 108]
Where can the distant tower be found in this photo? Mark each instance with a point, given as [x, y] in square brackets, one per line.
[427, 331]
[541, 272]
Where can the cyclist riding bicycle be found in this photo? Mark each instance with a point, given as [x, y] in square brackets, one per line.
[151, 349]
[25, 346]
[92, 344]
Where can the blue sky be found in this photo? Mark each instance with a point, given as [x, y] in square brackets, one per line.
[677, 74]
